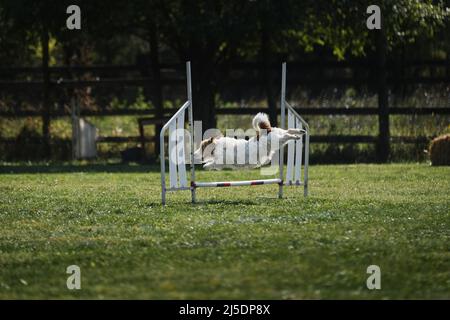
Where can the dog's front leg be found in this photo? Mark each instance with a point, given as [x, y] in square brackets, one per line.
[296, 131]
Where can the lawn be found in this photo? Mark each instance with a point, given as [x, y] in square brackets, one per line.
[235, 243]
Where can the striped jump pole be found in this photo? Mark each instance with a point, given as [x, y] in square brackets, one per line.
[236, 183]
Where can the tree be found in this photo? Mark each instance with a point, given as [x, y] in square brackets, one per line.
[209, 33]
[35, 21]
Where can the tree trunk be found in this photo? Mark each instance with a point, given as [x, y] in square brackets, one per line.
[265, 66]
[203, 93]
[383, 106]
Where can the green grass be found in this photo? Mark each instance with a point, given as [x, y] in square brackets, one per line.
[235, 243]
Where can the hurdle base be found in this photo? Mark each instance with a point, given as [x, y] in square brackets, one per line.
[294, 183]
[177, 189]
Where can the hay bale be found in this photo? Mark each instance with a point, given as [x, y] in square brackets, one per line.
[440, 150]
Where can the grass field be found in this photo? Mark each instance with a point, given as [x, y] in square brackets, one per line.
[235, 243]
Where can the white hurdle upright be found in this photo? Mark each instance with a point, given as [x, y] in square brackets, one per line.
[177, 152]
[295, 148]
[177, 163]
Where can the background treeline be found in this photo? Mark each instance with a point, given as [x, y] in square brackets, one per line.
[236, 48]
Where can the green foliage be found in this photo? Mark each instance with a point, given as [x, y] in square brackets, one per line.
[341, 26]
[236, 243]
[220, 31]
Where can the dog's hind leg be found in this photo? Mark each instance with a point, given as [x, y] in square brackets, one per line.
[209, 165]
[288, 137]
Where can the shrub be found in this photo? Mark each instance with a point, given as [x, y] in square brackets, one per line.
[440, 150]
[28, 144]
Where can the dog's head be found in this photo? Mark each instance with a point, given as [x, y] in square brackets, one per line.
[206, 149]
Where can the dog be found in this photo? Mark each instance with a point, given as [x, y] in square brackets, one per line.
[221, 152]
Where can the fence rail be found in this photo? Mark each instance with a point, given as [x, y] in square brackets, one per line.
[68, 83]
[236, 111]
[314, 139]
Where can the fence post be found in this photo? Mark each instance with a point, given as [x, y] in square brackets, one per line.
[46, 93]
[156, 71]
[448, 65]
[267, 76]
[383, 147]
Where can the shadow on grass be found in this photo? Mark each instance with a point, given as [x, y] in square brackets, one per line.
[227, 202]
[201, 202]
[69, 168]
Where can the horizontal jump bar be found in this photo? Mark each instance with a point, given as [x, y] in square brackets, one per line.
[235, 183]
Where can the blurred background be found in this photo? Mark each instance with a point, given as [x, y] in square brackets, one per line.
[103, 92]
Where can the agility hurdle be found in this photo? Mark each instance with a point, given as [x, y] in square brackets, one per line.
[177, 150]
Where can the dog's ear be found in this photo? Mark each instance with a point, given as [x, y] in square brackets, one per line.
[211, 140]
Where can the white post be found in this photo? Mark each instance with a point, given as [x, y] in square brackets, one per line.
[74, 133]
[76, 144]
[163, 167]
[305, 190]
[191, 128]
[282, 125]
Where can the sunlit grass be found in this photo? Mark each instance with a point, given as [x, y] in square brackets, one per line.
[235, 243]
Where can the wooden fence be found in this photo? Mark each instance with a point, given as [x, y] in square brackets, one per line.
[48, 79]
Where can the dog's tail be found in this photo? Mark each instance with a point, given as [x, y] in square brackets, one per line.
[260, 122]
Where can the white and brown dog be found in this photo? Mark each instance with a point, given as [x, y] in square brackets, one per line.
[221, 152]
